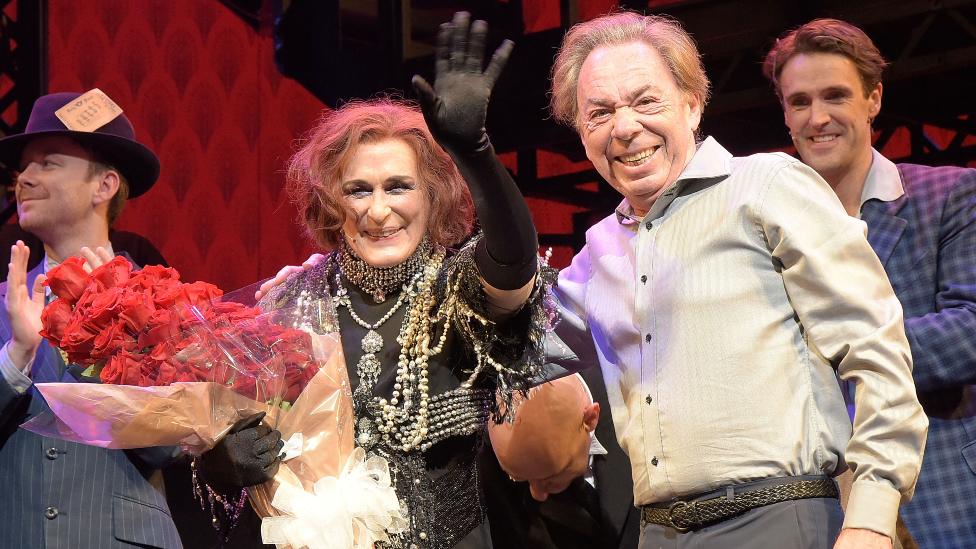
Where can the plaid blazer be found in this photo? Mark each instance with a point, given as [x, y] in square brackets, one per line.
[926, 240]
[56, 494]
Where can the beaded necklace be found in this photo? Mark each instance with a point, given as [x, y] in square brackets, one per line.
[403, 421]
[368, 367]
[379, 281]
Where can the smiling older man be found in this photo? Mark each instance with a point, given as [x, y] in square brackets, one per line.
[721, 300]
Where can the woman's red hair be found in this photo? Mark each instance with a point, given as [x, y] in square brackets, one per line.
[315, 170]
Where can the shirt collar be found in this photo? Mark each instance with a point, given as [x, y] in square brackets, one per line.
[883, 181]
[710, 162]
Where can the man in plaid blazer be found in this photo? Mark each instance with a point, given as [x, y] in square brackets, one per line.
[922, 224]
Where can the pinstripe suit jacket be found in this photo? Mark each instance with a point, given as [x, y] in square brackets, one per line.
[59, 495]
[926, 240]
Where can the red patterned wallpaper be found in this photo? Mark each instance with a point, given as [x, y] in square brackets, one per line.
[201, 89]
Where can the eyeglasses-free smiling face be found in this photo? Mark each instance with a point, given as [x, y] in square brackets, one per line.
[636, 125]
[55, 192]
[387, 207]
[828, 113]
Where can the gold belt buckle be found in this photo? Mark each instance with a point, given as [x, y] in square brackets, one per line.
[677, 507]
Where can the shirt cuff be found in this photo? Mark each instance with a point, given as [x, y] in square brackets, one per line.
[873, 506]
[12, 374]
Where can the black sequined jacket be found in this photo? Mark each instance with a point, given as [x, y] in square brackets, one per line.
[439, 483]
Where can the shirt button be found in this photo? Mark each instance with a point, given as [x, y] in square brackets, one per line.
[654, 461]
[647, 338]
[644, 279]
[648, 225]
[51, 513]
[648, 399]
[51, 453]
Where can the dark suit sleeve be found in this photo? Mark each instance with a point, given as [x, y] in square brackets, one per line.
[8, 400]
[157, 457]
[944, 341]
[8, 395]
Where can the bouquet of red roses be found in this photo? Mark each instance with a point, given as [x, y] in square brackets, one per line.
[179, 367]
[148, 329]
[145, 328]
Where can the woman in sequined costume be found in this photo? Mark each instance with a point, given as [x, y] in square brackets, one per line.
[430, 334]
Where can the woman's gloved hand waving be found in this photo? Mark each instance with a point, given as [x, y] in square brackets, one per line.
[456, 107]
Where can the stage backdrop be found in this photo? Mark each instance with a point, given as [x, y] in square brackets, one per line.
[201, 88]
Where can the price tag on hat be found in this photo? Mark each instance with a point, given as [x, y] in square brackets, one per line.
[90, 111]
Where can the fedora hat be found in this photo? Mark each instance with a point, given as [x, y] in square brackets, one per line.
[115, 142]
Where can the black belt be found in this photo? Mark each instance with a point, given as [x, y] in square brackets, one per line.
[692, 514]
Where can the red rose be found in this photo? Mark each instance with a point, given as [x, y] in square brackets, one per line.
[163, 351]
[294, 383]
[152, 275]
[109, 340]
[292, 391]
[78, 340]
[230, 312]
[203, 367]
[105, 307]
[200, 294]
[183, 344]
[113, 274]
[69, 279]
[223, 308]
[137, 308]
[161, 326]
[166, 295]
[55, 318]
[309, 371]
[166, 374]
[112, 371]
[245, 384]
[172, 371]
[83, 304]
[123, 368]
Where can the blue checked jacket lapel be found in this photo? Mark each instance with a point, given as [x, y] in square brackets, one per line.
[885, 228]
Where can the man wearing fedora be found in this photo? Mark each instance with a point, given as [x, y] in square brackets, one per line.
[72, 183]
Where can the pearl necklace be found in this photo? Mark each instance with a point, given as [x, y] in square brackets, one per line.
[404, 423]
[368, 367]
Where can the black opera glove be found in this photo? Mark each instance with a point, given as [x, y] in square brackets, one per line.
[456, 107]
[246, 456]
[455, 110]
